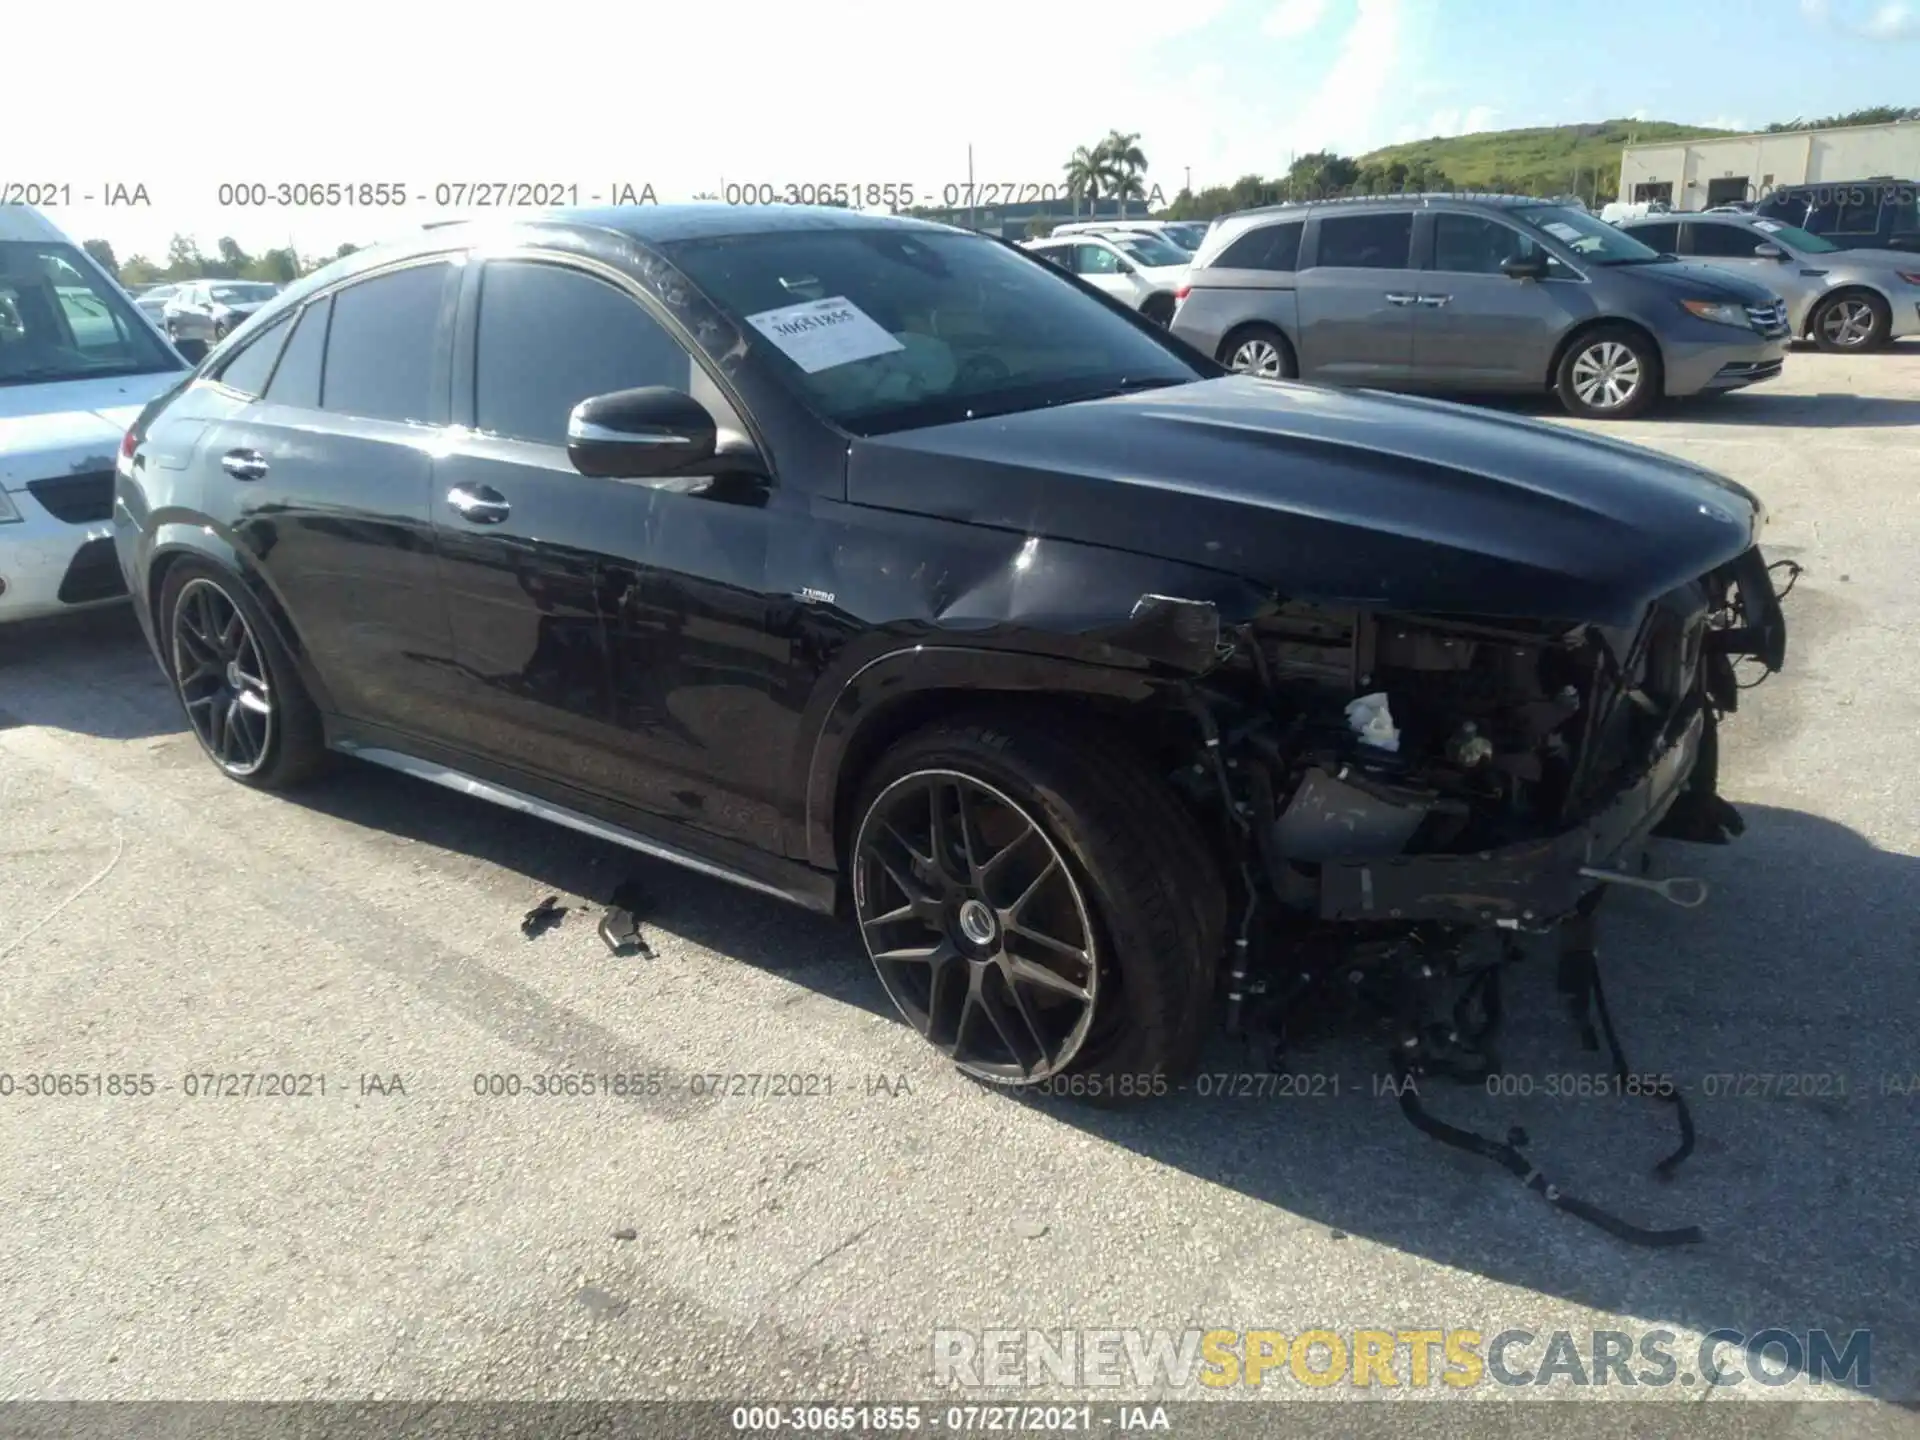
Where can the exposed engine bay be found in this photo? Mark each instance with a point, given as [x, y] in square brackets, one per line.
[1400, 789]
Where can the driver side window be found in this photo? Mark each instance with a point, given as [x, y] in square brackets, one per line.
[1095, 260]
[550, 337]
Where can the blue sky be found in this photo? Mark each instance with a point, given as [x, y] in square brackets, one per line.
[686, 95]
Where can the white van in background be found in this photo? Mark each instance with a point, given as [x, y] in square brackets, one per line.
[78, 361]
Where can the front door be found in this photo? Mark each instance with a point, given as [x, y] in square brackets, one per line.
[1356, 297]
[1474, 325]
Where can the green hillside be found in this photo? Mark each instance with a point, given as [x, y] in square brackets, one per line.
[1534, 162]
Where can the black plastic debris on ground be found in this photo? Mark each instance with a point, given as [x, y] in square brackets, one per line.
[542, 917]
[620, 926]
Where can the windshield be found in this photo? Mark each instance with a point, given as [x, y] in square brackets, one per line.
[1796, 238]
[1151, 250]
[1188, 237]
[60, 321]
[1590, 239]
[883, 330]
[242, 294]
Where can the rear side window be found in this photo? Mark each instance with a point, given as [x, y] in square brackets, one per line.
[383, 344]
[1366, 242]
[1859, 211]
[1271, 247]
[1664, 237]
[297, 379]
[247, 371]
[550, 338]
[1723, 242]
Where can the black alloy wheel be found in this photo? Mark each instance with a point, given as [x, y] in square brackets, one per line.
[977, 926]
[222, 675]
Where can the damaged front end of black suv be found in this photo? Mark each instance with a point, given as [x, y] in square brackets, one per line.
[1398, 785]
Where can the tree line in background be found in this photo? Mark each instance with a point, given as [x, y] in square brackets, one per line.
[185, 261]
[1872, 115]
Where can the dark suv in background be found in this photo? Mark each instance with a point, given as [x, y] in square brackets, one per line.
[1474, 294]
[1878, 214]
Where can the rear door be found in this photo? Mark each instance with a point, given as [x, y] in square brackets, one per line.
[1474, 325]
[1728, 246]
[328, 474]
[1356, 292]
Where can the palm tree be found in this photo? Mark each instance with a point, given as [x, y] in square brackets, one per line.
[1125, 165]
[1087, 175]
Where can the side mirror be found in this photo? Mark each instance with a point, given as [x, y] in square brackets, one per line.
[1525, 267]
[192, 351]
[1126, 269]
[639, 434]
[1769, 252]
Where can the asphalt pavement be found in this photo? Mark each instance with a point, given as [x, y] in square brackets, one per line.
[416, 1231]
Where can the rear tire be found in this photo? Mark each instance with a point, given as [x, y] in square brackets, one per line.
[1079, 862]
[1851, 323]
[1158, 308]
[1612, 372]
[1261, 351]
[235, 681]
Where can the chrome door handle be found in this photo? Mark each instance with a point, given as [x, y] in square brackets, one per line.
[1394, 298]
[1434, 301]
[244, 464]
[482, 507]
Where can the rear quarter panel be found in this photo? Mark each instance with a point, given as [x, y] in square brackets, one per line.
[1223, 300]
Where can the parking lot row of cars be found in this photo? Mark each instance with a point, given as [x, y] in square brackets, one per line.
[1483, 294]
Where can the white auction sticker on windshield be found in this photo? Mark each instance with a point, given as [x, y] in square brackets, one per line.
[821, 334]
[1560, 230]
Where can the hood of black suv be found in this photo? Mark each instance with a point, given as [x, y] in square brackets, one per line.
[1333, 496]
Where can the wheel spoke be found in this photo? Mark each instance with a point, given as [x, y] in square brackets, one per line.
[1007, 1027]
[1029, 1019]
[1053, 943]
[233, 634]
[1011, 915]
[1031, 972]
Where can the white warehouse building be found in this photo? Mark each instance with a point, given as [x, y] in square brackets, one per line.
[1694, 174]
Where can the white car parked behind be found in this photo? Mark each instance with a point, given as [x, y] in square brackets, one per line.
[78, 361]
[1140, 270]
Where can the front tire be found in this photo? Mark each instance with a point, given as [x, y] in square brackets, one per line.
[1609, 373]
[238, 686]
[1041, 910]
[1850, 323]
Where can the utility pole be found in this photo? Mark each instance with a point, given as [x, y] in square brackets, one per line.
[1188, 187]
[970, 220]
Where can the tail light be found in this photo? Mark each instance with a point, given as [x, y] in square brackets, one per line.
[1183, 292]
[128, 444]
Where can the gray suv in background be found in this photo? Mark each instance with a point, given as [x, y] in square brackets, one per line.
[1474, 294]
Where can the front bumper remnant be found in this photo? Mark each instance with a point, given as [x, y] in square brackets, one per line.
[1531, 883]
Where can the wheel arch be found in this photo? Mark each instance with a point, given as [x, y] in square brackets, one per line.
[1600, 322]
[905, 689]
[176, 542]
[1238, 332]
[1865, 289]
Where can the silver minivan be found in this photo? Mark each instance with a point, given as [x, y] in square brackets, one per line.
[1474, 294]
